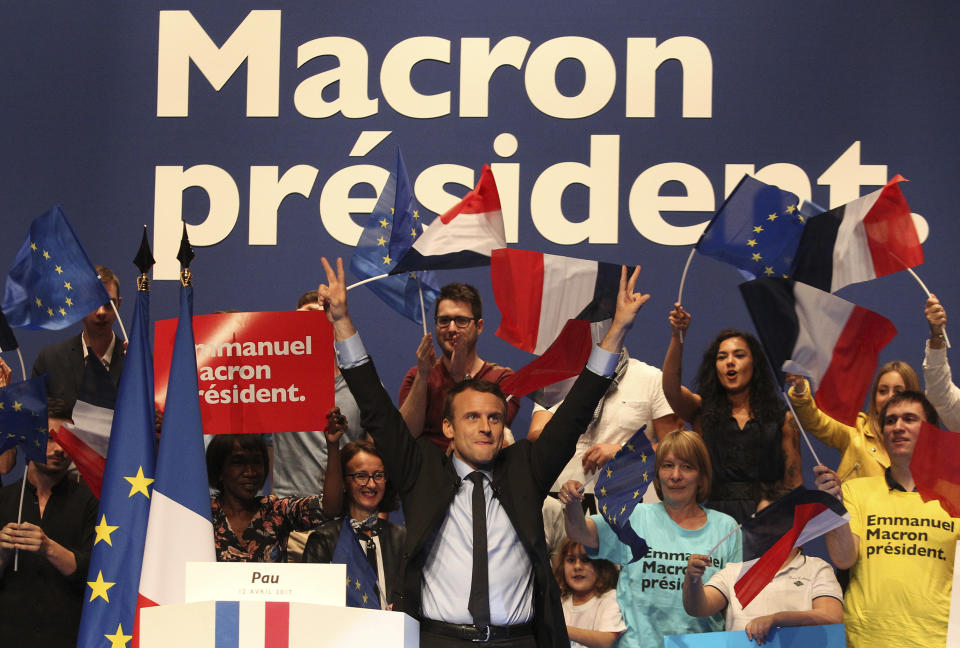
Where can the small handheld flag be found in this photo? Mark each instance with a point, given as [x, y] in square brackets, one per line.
[23, 418]
[463, 236]
[361, 581]
[757, 230]
[52, 283]
[394, 225]
[620, 487]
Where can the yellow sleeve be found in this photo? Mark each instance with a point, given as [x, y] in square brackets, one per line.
[828, 430]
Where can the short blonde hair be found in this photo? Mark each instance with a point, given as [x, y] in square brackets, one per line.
[686, 446]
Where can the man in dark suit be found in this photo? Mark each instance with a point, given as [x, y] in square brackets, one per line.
[474, 515]
[64, 361]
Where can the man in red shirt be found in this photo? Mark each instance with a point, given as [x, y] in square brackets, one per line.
[459, 322]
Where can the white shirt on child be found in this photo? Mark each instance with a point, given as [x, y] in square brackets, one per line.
[599, 613]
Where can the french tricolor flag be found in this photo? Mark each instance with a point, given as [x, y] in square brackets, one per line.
[816, 334]
[868, 238]
[179, 529]
[537, 293]
[771, 534]
[87, 438]
[464, 236]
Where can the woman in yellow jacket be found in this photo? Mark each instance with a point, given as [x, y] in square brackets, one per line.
[862, 446]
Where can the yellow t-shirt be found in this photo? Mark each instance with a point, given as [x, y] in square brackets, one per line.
[899, 593]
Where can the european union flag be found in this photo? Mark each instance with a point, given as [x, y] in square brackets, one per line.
[23, 418]
[621, 485]
[757, 229]
[52, 283]
[114, 577]
[361, 581]
[393, 227]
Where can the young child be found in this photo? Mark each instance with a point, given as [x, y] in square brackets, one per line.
[589, 597]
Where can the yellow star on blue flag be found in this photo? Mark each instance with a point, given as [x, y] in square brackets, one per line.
[50, 263]
[392, 225]
[757, 227]
[20, 405]
[621, 486]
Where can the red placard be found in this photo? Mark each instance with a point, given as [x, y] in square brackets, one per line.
[257, 372]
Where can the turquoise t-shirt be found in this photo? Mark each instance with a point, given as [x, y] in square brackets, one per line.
[650, 590]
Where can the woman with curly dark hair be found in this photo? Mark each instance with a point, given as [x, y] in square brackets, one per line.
[752, 439]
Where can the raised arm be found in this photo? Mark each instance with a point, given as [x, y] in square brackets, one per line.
[578, 526]
[943, 394]
[684, 402]
[843, 545]
[333, 478]
[413, 393]
[830, 431]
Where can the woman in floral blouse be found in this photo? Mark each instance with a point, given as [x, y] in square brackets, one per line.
[248, 528]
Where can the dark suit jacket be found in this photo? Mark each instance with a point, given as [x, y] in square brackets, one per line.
[63, 361]
[323, 542]
[522, 476]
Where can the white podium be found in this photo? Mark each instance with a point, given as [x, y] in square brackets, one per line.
[241, 605]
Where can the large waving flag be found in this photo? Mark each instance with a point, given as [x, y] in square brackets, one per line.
[868, 238]
[771, 534]
[52, 283]
[620, 487]
[462, 237]
[86, 440]
[757, 229]
[565, 359]
[393, 227]
[537, 293]
[361, 581]
[816, 334]
[934, 466]
[23, 418]
[180, 529]
[109, 609]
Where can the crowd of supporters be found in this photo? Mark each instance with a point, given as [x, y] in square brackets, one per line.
[443, 449]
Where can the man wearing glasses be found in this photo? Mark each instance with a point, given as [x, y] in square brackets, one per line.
[64, 361]
[459, 322]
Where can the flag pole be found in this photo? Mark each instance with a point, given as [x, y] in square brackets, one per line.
[913, 274]
[123, 329]
[803, 432]
[23, 488]
[23, 369]
[724, 539]
[423, 310]
[683, 280]
[368, 280]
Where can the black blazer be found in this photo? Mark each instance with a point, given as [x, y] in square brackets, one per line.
[63, 361]
[323, 542]
[522, 476]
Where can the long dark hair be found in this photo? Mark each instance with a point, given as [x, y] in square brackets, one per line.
[765, 404]
[390, 499]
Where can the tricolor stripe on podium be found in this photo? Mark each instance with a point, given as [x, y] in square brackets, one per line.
[252, 624]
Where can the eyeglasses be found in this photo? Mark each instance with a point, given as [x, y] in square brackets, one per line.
[363, 477]
[459, 321]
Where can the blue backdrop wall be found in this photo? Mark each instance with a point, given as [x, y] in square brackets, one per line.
[614, 130]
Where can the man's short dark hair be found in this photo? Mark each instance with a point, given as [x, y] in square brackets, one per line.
[107, 276]
[910, 396]
[309, 297]
[220, 448]
[477, 385]
[460, 292]
[59, 409]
